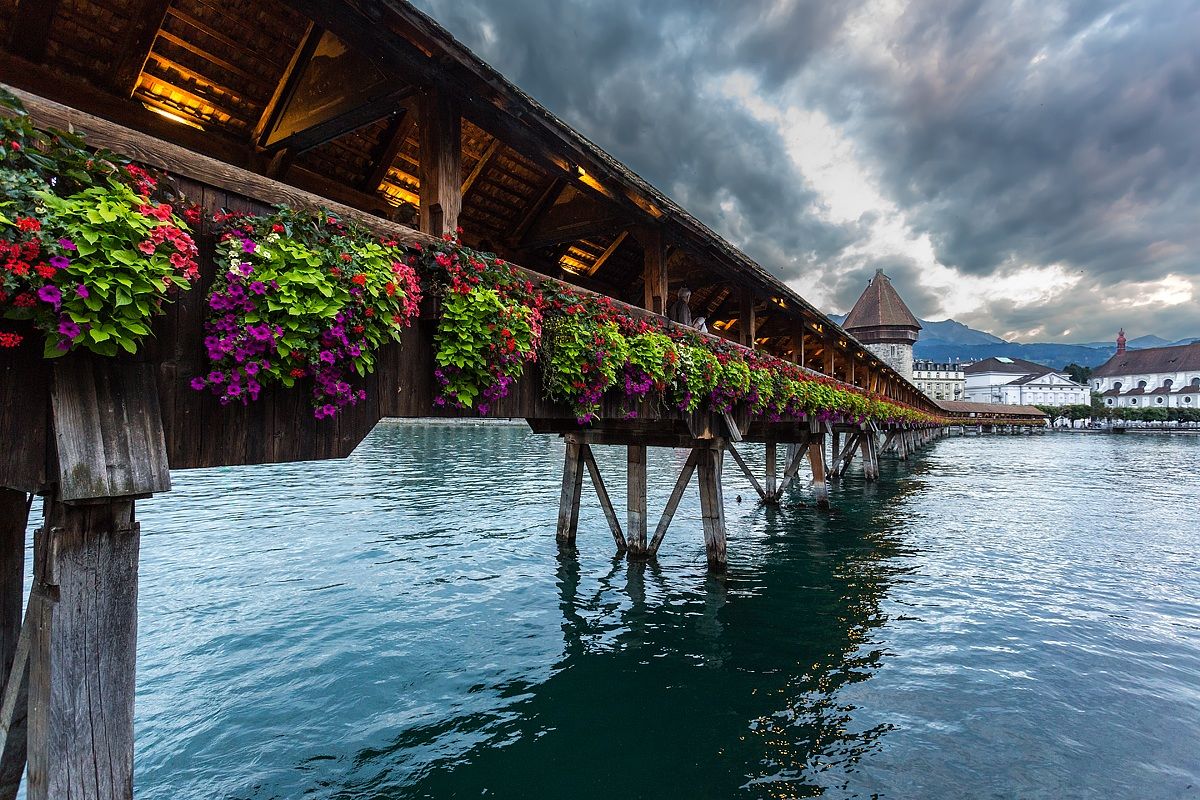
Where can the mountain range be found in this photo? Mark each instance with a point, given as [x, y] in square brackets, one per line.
[948, 340]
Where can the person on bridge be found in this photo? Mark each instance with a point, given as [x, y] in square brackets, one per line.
[681, 312]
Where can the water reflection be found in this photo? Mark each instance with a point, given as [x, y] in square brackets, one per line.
[402, 625]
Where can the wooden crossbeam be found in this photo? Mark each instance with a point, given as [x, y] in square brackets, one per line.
[608, 251]
[664, 522]
[145, 21]
[480, 166]
[746, 470]
[401, 129]
[286, 84]
[602, 493]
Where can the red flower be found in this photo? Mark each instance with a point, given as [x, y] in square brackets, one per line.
[390, 288]
[360, 279]
[345, 256]
[28, 224]
[18, 268]
[277, 228]
[370, 312]
[9, 339]
[14, 146]
[297, 372]
[146, 246]
[24, 300]
[45, 270]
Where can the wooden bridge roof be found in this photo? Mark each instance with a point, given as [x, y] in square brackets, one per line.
[326, 94]
[960, 408]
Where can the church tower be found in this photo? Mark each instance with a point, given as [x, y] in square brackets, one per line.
[882, 322]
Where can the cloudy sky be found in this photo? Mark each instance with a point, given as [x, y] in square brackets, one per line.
[1028, 168]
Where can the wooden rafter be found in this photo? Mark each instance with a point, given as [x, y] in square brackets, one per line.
[393, 141]
[146, 21]
[31, 28]
[287, 81]
[607, 254]
[388, 105]
[553, 188]
[480, 165]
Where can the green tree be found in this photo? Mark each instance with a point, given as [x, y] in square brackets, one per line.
[1078, 373]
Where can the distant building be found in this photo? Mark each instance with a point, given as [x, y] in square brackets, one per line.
[882, 322]
[939, 381]
[1014, 381]
[1156, 377]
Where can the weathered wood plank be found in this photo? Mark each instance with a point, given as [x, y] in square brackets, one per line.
[108, 429]
[572, 489]
[81, 679]
[14, 516]
[772, 454]
[635, 535]
[712, 505]
[816, 461]
[14, 708]
[440, 134]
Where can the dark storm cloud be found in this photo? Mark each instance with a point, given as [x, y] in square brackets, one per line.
[1064, 132]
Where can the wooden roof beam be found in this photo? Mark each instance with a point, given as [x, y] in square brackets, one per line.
[145, 21]
[480, 166]
[607, 254]
[31, 28]
[286, 84]
[398, 133]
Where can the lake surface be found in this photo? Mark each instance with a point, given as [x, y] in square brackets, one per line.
[1005, 617]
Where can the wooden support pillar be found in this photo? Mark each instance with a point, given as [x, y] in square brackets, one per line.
[828, 348]
[635, 533]
[14, 666]
[712, 503]
[440, 168]
[870, 458]
[795, 455]
[654, 269]
[572, 489]
[746, 318]
[835, 440]
[816, 460]
[772, 474]
[82, 652]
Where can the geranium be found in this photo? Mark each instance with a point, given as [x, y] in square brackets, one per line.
[72, 254]
[281, 312]
[490, 327]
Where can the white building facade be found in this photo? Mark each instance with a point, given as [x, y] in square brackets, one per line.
[1157, 377]
[1014, 381]
[939, 381]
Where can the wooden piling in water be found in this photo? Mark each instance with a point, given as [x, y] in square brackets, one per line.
[712, 504]
[816, 461]
[572, 490]
[635, 534]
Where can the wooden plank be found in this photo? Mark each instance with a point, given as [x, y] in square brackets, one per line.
[816, 461]
[654, 268]
[108, 430]
[772, 455]
[393, 143]
[24, 415]
[664, 522]
[746, 470]
[602, 493]
[712, 505]
[746, 318]
[14, 708]
[287, 81]
[607, 254]
[82, 654]
[636, 500]
[441, 161]
[569, 497]
[480, 165]
[14, 516]
[145, 21]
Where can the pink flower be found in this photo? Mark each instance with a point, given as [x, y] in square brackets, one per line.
[146, 247]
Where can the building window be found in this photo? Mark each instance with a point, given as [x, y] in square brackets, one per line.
[1133, 401]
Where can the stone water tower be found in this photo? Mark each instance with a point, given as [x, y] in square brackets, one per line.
[882, 322]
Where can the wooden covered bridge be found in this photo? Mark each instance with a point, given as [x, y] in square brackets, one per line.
[370, 110]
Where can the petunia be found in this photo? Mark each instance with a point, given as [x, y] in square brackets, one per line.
[68, 328]
[60, 262]
[50, 294]
[199, 383]
[146, 246]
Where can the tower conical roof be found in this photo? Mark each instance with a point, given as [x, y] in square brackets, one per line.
[880, 307]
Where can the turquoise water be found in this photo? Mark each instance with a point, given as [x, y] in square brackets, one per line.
[1005, 617]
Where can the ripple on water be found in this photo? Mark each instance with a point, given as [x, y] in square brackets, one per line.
[1002, 617]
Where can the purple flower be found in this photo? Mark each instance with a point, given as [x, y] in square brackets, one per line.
[327, 356]
[258, 287]
[199, 383]
[251, 368]
[82, 291]
[68, 329]
[67, 244]
[50, 294]
[244, 267]
[59, 262]
[248, 246]
[216, 377]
